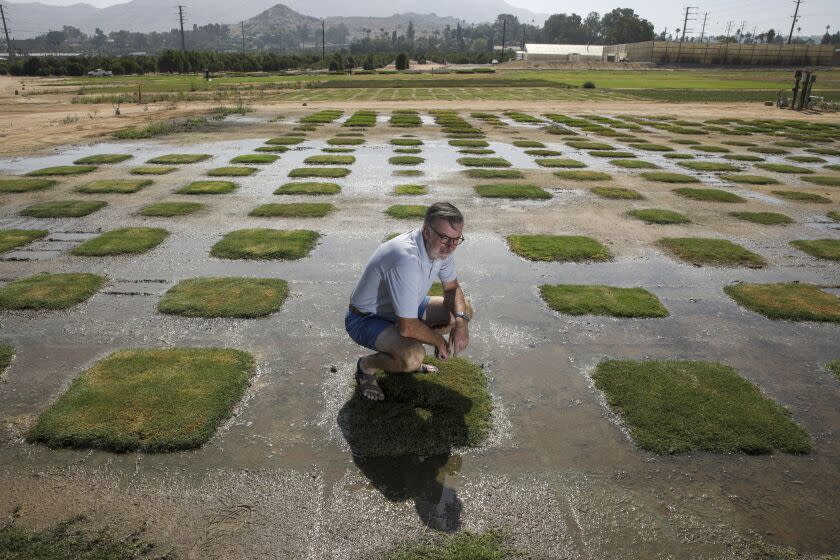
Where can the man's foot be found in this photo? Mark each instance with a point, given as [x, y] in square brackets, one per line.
[368, 386]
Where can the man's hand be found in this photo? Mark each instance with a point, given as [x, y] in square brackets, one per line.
[442, 350]
[459, 337]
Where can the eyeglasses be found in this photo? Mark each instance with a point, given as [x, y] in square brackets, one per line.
[446, 240]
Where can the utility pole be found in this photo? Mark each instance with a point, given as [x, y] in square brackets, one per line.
[703, 31]
[728, 27]
[181, 19]
[685, 21]
[504, 31]
[242, 28]
[323, 43]
[795, 19]
[6, 31]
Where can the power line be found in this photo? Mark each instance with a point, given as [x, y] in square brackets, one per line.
[686, 20]
[242, 27]
[181, 19]
[703, 32]
[795, 19]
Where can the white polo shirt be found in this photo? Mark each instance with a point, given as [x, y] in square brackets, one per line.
[398, 276]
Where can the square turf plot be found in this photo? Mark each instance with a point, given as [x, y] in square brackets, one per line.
[540, 153]
[309, 188]
[422, 414]
[178, 159]
[49, 291]
[784, 168]
[25, 185]
[231, 171]
[293, 210]
[763, 218]
[208, 187]
[406, 160]
[408, 173]
[683, 406]
[263, 243]
[272, 149]
[130, 240]
[512, 190]
[225, 297]
[825, 180]
[560, 248]
[649, 147]
[407, 211]
[483, 162]
[716, 252]
[617, 192]
[794, 301]
[633, 164]
[152, 400]
[708, 166]
[573, 299]
[285, 140]
[345, 141]
[330, 160]
[750, 179]
[528, 144]
[7, 354]
[667, 177]
[494, 173]
[256, 159]
[153, 169]
[559, 162]
[119, 186]
[103, 159]
[63, 170]
[410, 189]
[577, 175]
[799, 196]
[658, 216]
[709, 195]
[834, 367]
[63, 208]
[11, 238]
[828, 249]
[406, 142]
[469, 143]
[169, 209]
[329, 172]
[834, 216]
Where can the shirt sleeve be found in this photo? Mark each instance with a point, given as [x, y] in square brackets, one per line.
[447, 270]
[402, 280]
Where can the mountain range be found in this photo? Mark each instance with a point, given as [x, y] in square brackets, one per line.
[35, 18]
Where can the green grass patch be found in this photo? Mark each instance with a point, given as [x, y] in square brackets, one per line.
[405, 160]
[285, 140]
[259, 159]
[494, 173]
[834, 216]
[800, 196]
[178, 159]
[120, 186]
[743, 157]
[208, 187]
[750, 179]
[121, 241]
[515, 191]
[62, 170]
[763, 218]
[792, 144]
[806, 159]
[225, 297]
[7, 354]
[633, 164]
[708, 166]
[407, 211]
[821, 248]
[667, 177]
[330, 172]
[559, 162]
[169, 209]
[683, 406]
[408, 173]
[293, 210]
[11, 238]
[484, 162]
[674, 155]
[406, 142]
[834, 367]
[309, 188]
[329, 150]
[783, 168]
[231, 171]
[458, 546]
[25, 185]
[63, 208]
[466, 143]
[711, 149]
[617, 192]
[658, 216]
[738, 143]
[824, 151]
[324, 116]
[262, 243]
[541, 153]
[715, 252]
[412, 151]
[103, 159]
[588, 145]
[151, 400]
[422, 414]
[577, 175]
[794, 301]
[685, 142]
[574, 299]
[330, 160]
[153, 170]
[649, 147]
[410, 189]
[345, 141]
[767, 150]
[825, 180]
[561, 248]
[478, 151]
[49, 291]
[528, 144]
[272, 149]
[612, 154]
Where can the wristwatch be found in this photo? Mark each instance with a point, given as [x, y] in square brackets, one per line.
[463, 316]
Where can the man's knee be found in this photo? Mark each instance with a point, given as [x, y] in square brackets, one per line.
[413, 356]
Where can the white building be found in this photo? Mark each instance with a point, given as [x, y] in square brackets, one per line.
[562, 53]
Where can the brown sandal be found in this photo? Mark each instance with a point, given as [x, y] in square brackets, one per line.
[368, 387]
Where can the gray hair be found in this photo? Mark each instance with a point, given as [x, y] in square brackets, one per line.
[443, 211]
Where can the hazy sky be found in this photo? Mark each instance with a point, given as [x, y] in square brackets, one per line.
[758, 14]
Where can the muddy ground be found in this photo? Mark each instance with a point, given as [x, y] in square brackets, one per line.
[559, 476]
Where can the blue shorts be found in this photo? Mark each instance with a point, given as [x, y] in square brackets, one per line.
[365, 329]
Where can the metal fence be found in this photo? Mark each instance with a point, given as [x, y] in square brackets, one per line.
[677, 52]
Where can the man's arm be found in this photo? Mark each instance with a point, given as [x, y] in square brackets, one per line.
[453, 299]
[418, 330]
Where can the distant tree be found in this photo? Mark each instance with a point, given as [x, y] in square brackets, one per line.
[622, 25]
[592, 27]
[770, 34]
[459, 37]
[560, 28]
[409, 34]
[369, 63]
[402, 61]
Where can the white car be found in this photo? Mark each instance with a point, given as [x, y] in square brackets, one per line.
[100, 72]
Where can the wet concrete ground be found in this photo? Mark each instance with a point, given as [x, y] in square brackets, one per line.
[559, 474]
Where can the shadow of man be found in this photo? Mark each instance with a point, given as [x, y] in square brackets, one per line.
[403, 445]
